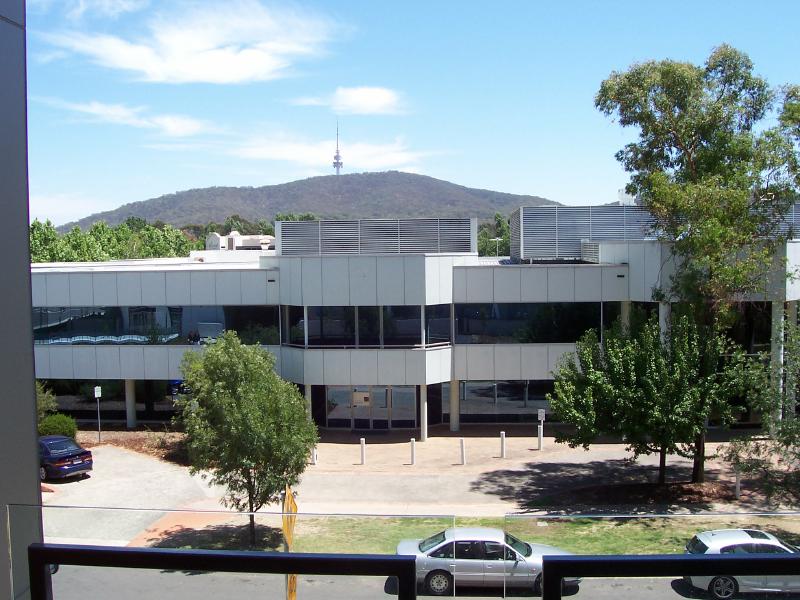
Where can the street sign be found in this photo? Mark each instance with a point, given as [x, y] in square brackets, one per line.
[541, 414]
[98, 391]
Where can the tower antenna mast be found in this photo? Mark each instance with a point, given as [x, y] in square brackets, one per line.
[337, 158]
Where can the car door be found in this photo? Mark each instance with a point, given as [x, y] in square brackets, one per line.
[502, 567]
[779, 583]
[469, 563]
[747, 583]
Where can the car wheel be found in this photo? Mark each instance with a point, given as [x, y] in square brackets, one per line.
[537, 585]
[723, 588]
[42, 474]
[439, 583]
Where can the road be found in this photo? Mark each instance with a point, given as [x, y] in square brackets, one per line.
[88, 583]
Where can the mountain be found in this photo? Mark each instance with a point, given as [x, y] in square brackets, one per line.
[361, 195]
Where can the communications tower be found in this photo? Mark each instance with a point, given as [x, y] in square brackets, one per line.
[337, 158]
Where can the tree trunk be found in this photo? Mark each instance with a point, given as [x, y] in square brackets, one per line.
[698, 469]
[252, 530]
[662, 466]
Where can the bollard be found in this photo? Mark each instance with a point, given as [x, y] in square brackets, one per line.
[541, 434]
[502, 444]
[314, 455]
[738, 490]
[363, 451]
[413, 451]
[463, 452]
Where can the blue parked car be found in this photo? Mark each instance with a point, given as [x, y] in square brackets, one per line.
[60, 456]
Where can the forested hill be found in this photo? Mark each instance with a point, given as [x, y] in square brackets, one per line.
[362, 195]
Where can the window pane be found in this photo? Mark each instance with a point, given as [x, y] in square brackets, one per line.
[437, 323]
[331, 326]
[338, 406]
[294, 326]
[369, 326]
[401, 326]
[404, 406]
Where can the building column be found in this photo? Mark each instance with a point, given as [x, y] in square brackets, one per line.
[776, 350]
[455, 405]
[791, 378]
[308, 400]
[625, 314]
[664, 315]
[130, 403]
[423, 413]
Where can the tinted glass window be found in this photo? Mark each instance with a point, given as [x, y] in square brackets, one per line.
[469, 550]
[695, 546]
[445, 551]
[430, 542]
[737, 549]
[494, 551]
[331, 326]
[369, 326]
[59, 446]
[768, 549]
[401, 325]
[437, 324]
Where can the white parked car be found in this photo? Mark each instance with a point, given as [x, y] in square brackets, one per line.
[478, 557]
[741, 542]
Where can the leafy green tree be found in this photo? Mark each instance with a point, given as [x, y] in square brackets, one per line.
[45, 243]
[245, 425]
[82, 247]
[295, 217]
[135, 223]
[45, 402]
[498, 228]
[644, 387]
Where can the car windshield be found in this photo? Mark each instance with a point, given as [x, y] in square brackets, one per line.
[432, 541]
[695, 546]
[518, 545]
[59, 446]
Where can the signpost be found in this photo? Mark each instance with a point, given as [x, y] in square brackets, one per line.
[289, 518]
[97, 393]
[541, 427]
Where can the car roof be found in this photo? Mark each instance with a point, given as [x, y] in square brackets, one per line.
[53, 438]
[489, 534]
[717, 538]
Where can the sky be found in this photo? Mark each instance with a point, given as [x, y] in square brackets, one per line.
[132, 99]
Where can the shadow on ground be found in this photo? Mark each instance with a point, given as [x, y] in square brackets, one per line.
[219, 537]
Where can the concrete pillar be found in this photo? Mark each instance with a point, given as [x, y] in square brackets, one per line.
[422, 339]
[423, 413]
[308, 399]
[20, 485]
[664, 314]
[455, 405]
[791, 378]
[130, 403]
[776, 347]
[625, 314]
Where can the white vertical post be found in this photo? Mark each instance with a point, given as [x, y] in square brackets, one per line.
[776, 358]
[625, 314]
[363, 451]
[423, 413]
[413, 451]
[664, 314]
[541, 435]
[502, 444]
[97, 393]
[314, 455]
[463, 451]
[130, 403]
[455, 405]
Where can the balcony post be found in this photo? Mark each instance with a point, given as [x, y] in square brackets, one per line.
[423, 413]
[130, 403]
[455, 405]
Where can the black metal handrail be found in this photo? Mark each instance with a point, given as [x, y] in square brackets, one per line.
[40, 556]
[554, 568]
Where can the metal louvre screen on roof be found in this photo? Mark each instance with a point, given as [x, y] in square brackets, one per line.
[514, 232]
[556, 232]
[377, 236]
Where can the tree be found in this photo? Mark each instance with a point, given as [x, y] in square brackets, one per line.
[716, 181]
[499, 228]
[295, 217]
[45, 402]
[45, 244]
[643, 386]
[244, 424]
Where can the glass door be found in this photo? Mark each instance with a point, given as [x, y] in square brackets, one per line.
[361, 408]
[379, 397]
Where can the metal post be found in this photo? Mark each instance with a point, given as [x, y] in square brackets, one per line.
[737, 492]
[413, 451]
[363, 451]
[463, 452]
[97, 393]
[314, 455]
[502, 444]
[541, 435]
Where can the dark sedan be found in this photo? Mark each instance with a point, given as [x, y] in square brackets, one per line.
[60, 456]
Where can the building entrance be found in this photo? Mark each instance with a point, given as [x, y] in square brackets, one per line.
[371, 407]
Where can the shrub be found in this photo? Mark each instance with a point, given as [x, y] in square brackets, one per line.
[58, 424]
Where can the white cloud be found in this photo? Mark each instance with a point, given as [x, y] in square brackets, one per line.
[319, 154]
[136, 116]
[104, 8]
[228, 42]
[358, 101]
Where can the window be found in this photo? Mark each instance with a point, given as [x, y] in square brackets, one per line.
[494, 551]
[401, 326]
[445, 551]
[369, 326]
[695, 546]
[293, 325]
[737, 549]
[432, 541]
[331, 326]
[518, 545]
[437, 324]
[469, 550]
[769, 549]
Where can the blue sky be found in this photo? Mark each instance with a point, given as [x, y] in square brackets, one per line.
[132, 99]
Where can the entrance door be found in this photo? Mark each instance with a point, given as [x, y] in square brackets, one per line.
[379, 400]
[361, 408]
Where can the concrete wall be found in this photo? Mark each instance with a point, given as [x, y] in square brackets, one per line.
[20, 485]
[649, 265]
[515, 362]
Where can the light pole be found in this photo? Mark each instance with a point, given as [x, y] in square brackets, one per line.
[496, 241]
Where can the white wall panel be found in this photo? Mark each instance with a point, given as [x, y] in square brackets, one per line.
[254, 287]
[460, 362]
[554, 354]
[363, 280]
[432, 292]
[203, 289]
[80, 289]
[156, 362]
[438, 366]
[84, 362]
[636, 272]
[175, 359]
[336, 369]
[391, 280]
[228, 288]
[364, 367]
[129, 289]
[41, 361]
[415, 367]
[533, 284]
[652, 266]
[58, 289]
[292, 364]
[534, 365]
[459, 284]
[295, 287]
[273, 287]
[480, 285]
[61, 362]
[588, 284]
[445, 280]
[131, 362]
[313, 367]
[276, 352]
[507, 282]
[507, 362]
[178, 288]
[560, 284]
[335, 281]
[108, 366]
[39, 289]
[414, 272]
[154, 289]
[392, 367]
[480, 362]
[615, 288]
[311, 276]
